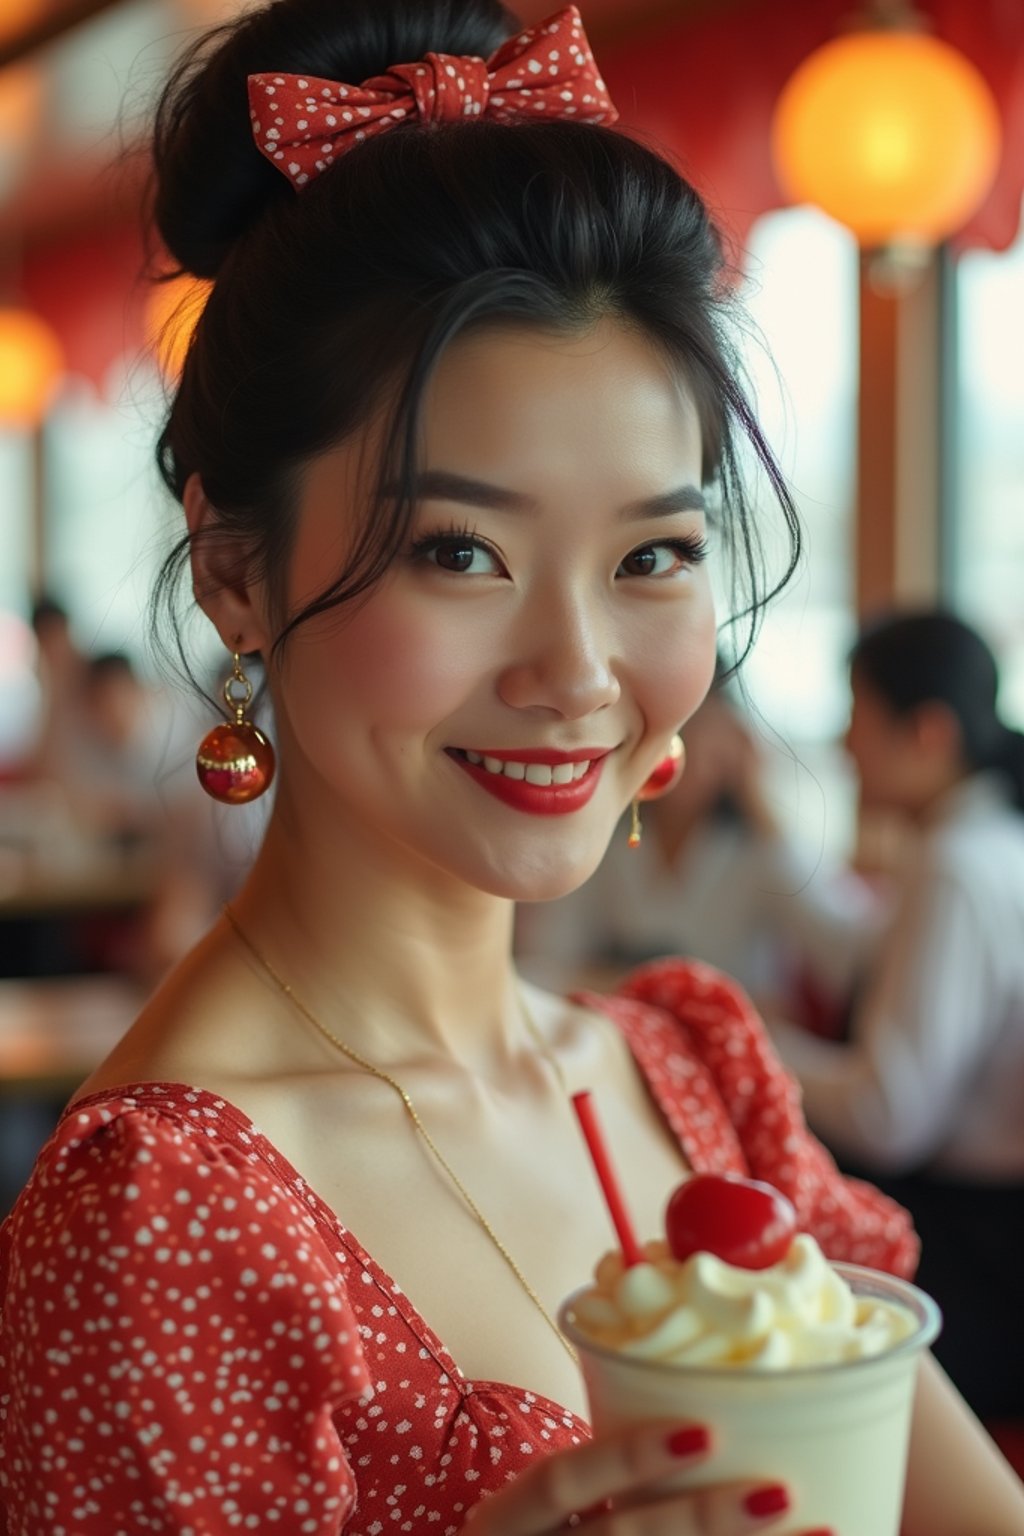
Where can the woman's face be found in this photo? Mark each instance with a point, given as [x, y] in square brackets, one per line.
[550, 618]
[898, 761]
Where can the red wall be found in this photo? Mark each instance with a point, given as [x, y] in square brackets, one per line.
[702, 89]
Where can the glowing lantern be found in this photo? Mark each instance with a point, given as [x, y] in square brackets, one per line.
[892, 132]
[21, 95]
[18, 15]
[31, 363]
[172, 312]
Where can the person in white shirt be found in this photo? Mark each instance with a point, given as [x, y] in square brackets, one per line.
[927, 1095]
[714, 877]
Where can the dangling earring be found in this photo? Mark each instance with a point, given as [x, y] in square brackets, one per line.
[235, 762]
[658, 782]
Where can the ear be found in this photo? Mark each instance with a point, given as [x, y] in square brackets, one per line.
[938, 732]
[233, 603]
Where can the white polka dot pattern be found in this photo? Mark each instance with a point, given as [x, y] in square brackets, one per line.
[735, 1109]
[303, 123]
[190, 1343]
[175, 1338]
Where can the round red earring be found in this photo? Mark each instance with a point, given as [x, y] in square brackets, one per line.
[235, 762]
[663, 777]
[667, 773]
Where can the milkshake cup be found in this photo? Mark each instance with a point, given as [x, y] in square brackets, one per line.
[834, 1431]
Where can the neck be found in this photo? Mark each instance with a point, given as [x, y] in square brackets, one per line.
[402, 961]
[933, 802]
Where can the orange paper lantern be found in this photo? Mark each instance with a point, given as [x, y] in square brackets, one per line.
[31, 363]
[17, 16]
[893, 133]
[21, 98]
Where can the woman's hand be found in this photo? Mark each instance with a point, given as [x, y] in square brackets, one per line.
[629, 1464]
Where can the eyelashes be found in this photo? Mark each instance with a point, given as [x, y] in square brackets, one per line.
[456, 549]
[693, 549]
[449, 534]
[647, 559]
[460, 550]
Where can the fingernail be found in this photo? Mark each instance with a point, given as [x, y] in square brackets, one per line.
[820, 1530]
[772, 1499]
[690, 1441]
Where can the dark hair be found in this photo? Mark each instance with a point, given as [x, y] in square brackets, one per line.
[47, 610]
[326, 299]
[109, 664]
[910, 659]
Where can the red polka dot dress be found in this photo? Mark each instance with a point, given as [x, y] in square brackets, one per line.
[191, 1343]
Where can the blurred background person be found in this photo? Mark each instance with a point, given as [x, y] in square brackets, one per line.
[62, 672]
[134, 786]
[112, 861]
[122, 752]
[110, 869]
[927, 1096]
[126, 791]
[714, 877]
[20, 692]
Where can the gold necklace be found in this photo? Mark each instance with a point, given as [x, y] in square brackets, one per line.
[410, 1109]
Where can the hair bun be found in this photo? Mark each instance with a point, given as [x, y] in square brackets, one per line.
[211, 182]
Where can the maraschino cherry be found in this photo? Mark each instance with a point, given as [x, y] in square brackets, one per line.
[742, 1221]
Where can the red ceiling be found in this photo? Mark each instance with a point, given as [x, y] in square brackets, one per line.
[700, 85]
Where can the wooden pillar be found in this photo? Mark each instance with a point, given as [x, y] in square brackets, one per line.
[901, 463]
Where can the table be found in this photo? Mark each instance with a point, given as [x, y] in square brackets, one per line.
[53, 1033]
[49, 909]
[111, 884]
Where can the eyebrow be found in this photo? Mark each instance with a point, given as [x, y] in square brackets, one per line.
[444, 485]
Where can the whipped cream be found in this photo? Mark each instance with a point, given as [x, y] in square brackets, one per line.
[704, 1312]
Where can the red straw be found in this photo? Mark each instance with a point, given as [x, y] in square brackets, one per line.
[583, 1104]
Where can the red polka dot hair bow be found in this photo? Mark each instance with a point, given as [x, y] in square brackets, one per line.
[303, 124]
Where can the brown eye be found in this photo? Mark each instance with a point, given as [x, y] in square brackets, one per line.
[458, 553]
[642, 562]
[454, 555]
[665, 559]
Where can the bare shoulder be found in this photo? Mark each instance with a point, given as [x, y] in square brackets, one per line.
[210, 1024]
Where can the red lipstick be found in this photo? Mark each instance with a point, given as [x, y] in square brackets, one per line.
[537, 799]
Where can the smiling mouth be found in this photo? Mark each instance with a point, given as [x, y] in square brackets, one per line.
[543, 775]
[539, 781]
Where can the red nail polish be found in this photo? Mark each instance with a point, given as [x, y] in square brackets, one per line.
[772, 1499]
[820, 1530]
[690, 1441]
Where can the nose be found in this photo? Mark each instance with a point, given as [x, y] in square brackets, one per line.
[563, 660]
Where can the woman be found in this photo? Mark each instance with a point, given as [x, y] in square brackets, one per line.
[928, 1094]
[441, 441]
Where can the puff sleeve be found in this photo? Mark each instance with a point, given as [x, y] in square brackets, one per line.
[174, 1339]
[736, 1109]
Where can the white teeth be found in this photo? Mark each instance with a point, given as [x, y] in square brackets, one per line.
[541, 774]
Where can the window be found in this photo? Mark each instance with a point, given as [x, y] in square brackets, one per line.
[802, 296]
[106, 511]
[987, 570]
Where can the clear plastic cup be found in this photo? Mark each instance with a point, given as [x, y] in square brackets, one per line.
[836, 1435]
